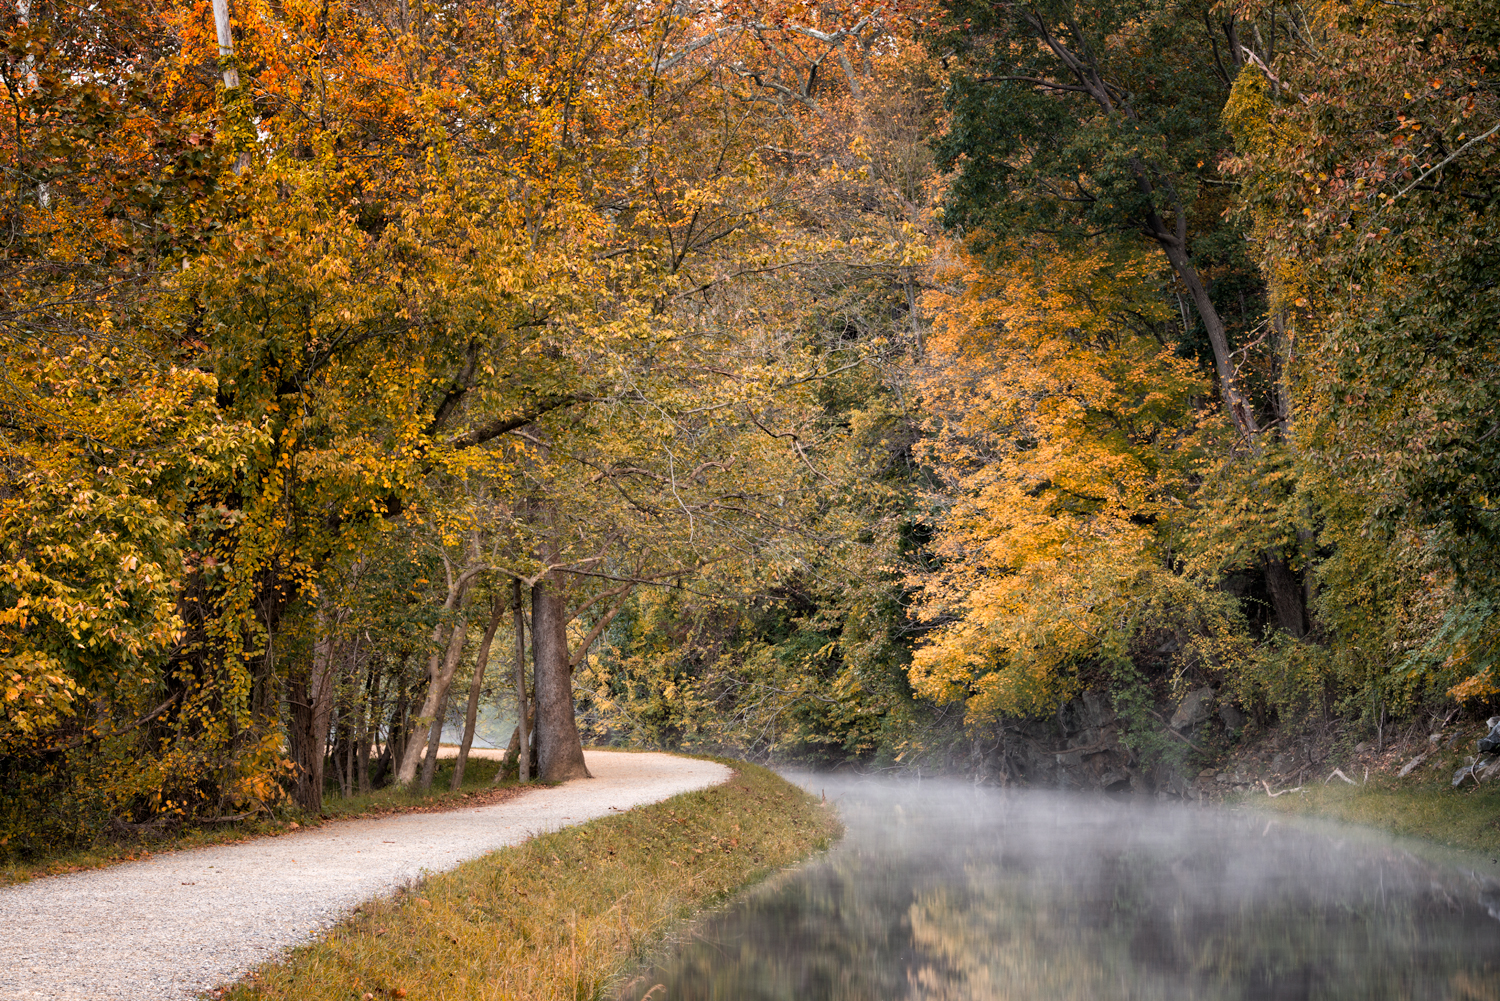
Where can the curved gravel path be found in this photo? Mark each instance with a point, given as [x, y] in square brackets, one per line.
[176, 924]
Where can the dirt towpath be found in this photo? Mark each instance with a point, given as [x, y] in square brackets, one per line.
[176, 924]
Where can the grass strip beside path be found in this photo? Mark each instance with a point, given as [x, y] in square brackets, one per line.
[564, 915]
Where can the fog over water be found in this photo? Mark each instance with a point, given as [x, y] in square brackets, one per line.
[944, 891]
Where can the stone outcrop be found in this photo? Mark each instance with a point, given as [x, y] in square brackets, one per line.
[1078, 748]
[1081, 746]
[1195, 709]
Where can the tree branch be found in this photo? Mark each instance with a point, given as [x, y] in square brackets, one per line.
[1035, 81]
[1451, 157]
[505, 425]
[622, 592]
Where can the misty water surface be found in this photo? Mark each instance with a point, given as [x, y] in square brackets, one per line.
[942, 891]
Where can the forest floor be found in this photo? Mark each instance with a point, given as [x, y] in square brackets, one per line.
[175, 924]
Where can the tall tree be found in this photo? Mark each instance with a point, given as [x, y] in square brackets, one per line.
[1368, 155]
[1082, 119]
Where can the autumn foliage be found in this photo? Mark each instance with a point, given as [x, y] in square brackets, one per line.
[838, 380]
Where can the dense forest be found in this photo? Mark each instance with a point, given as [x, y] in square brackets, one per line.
[848, 382]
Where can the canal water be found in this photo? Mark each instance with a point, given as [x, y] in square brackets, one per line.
[946, 892]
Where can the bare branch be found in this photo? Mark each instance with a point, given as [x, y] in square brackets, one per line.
[1451, 157]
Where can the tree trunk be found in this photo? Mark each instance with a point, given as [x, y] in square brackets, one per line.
[522, 736]
[1286, 595]
[440, 667]
[312, 714]
[559, 751]
[226, 44]
[1172, 240]
[334, 750]
[437, 697]
[471, 713]
[349, 734]
[1235, 401]
[369, 714]
[1282, 398]
[398, 736]
[299, 740]
[384, 762]
[434, 741]
[525, 763]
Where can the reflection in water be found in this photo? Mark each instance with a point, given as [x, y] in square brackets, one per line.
[943, 892]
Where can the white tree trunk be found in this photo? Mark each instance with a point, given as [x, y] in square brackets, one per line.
[226, 43]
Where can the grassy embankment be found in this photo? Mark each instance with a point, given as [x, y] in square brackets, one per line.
[1465, 819]
[477, 790]
[1422, 805]
[563, 916]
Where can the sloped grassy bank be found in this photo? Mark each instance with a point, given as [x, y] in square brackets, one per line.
[564, 915]
[1466, 819]
[1406, 790]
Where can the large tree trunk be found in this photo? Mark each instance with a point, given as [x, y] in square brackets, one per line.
[559, 751]
[471, 713]
[307, 759]
[312, 713]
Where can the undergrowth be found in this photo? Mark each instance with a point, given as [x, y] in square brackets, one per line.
[562, 916]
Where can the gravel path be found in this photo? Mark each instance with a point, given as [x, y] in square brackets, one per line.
[173, 925]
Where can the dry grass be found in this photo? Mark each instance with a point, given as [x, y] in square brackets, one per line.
[564, 915]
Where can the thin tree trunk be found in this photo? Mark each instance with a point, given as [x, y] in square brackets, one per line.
[333, 749]
[351, 736]
[471, 713]
[523, 710]
[438, 693]
[370, 714]
[1235, 401]
[434, 741]
[559, 751]
[226, 44]
[400, 734]
[1282, 398]
[440, 668]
